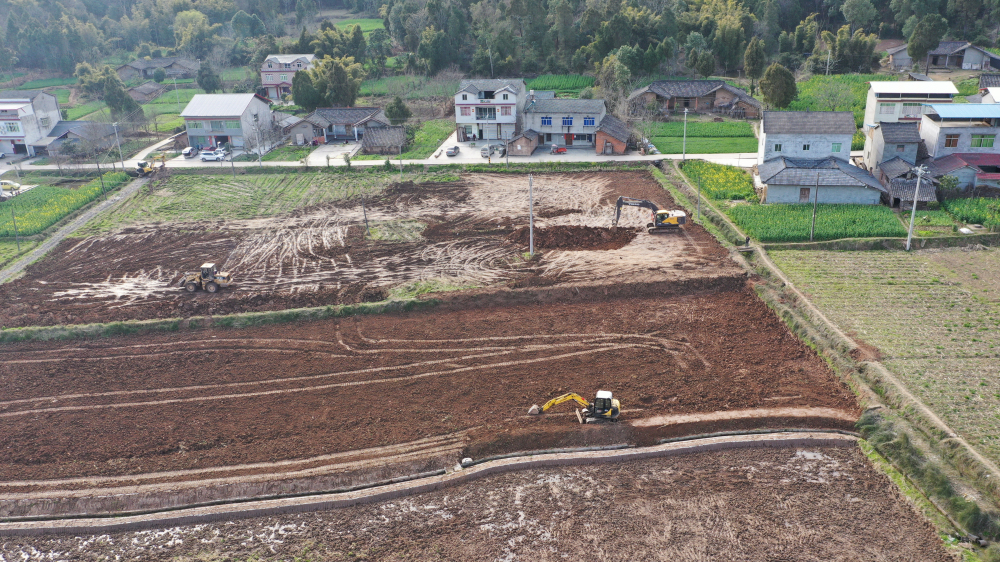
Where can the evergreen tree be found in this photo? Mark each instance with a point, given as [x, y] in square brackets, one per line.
[926, 36]
[754, 61]
[397, 112]
[706, 64]
[208, 79]
[304, 92]
[778, 86]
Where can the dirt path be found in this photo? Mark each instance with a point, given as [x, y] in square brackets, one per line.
[15, 269]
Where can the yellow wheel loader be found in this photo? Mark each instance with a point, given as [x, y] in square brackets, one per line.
[207, 279]
[604, 408]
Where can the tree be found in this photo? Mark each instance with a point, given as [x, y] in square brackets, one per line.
[159, 75]
[337, 81]
[729, 44]
[778, 86]
[208, 79]
[834, 96]
[193, 33]
[858, 13]
[397, 112]
[706, 64]
[613, 78]
[304, 92]
[754, 61]
[244, 25]
[305, 10]
[926, 36]
[379, 49]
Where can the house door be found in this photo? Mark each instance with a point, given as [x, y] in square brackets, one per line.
[569, 140]
[608, 147]
[804, 195]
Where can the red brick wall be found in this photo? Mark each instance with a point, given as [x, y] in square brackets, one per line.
[527, 146]
[601, 137]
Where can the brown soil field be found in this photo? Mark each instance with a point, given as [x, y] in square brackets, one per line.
[188, 400]
[462, 233]
[814, 504]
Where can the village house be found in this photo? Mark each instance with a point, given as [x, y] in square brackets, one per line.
[146, 92]
[276, 73]
[892, 101]
[240, 120]
[88, 136]
[961, 54]
[26, 117]
[674, 96]
[564, 122]
[886, 141]
[970, 170]
[489, 109]
[384, 140]
[899, 58]
[805, 134]
[612, 136]
[174, 67]
[345, 123]
[831, 179]
[960, 128]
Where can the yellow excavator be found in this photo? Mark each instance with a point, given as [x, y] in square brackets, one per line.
[604, 407]
[147, 168]
[663, 220]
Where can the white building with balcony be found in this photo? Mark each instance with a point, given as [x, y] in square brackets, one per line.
[276, 73]
[489, 109]
[26, 117]
[960, 128]
[239, 120]
[894, 102]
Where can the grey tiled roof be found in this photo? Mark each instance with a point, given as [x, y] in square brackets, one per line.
[989, 81]
[830, 172]
[326, 116]
[19, 94]
[491, 85]
[895, 50]
[692, 89]
[384, 137]
[919, 77]
[902, 189]
[529, 134]
[85, 129]
[565, 106]
[809, 122]
[975, 98]
[946, 165]
[544, 95]
[145, 64]
[900, 132]
[949, 47]
[147, 88]
[895, 167]
[614, 128]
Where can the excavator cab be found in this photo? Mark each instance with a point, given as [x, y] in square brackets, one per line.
[602, 404]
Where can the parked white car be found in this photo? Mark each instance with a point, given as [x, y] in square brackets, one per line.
[216, 156]
[190, 152]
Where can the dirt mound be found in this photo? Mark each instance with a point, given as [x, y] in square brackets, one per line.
[575, 237]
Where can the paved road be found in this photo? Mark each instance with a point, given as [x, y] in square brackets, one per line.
[15, 268]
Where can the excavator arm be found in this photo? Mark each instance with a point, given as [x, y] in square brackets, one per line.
[632, 202]
[566, 398]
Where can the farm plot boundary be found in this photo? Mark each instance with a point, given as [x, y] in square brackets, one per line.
[953, 457]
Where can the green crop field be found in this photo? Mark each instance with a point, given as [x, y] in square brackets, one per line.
[46, 205]
[8, 250]
[409, 87]
[367, 24]
[978, 210]
[934, 316]
[705, 129]
[47, 83]
[791, 223]
[203, 196]
[704, 145]
[427, 140]
[719, 182]
[79, 111]
[561, 83]
[704, 137]
[180, 96]
[287, 153]
[811, 93]
[61, 94]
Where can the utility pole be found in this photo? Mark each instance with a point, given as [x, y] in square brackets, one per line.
[815, 203]
[506, 150]
[699, 198]
[400, 162]
[365, 212]
[913, 213]
[531, 219]
[684, 146]
[177, 96]
[17, 238]
[101, 176]
[260, 143]
[119, 143]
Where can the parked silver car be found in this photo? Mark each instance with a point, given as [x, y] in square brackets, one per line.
[491, 149]
[190, 152]
[217, 156]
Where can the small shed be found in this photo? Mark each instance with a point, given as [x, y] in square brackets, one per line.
[384, 140]
[612, 136]
[901, 190]
[146, 92]
[899, 58]
[523, 143]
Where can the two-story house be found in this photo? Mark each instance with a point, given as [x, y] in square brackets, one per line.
[960, 128]
[890, 141]
[489, 109]
[564, 122]
[237, 119]
[892, 102]
[805, 134]
[26, 117]
[276, 73]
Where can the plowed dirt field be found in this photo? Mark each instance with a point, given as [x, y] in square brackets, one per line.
[816, 505]
[453, 233]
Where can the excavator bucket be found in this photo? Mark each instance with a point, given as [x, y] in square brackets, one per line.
[535, 410]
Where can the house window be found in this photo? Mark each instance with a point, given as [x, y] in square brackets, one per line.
[777, 148]
[466, 111]
[567, 122]
[12, 127]
[546, 121]
[887, 109]
[951, 141]
[194, 124]
[505, 110]
[269, 65]
[298, 64]
[232, 124]
[900, 148]
[588, 121]
[835, 147]
[548, 137]
[805, 147]
[983, 141]
[270, 78]
[505, 96]
[284, 77]
[465, 97]
[218, 125]
[44, 121]
[911, 109]
[287, 65]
